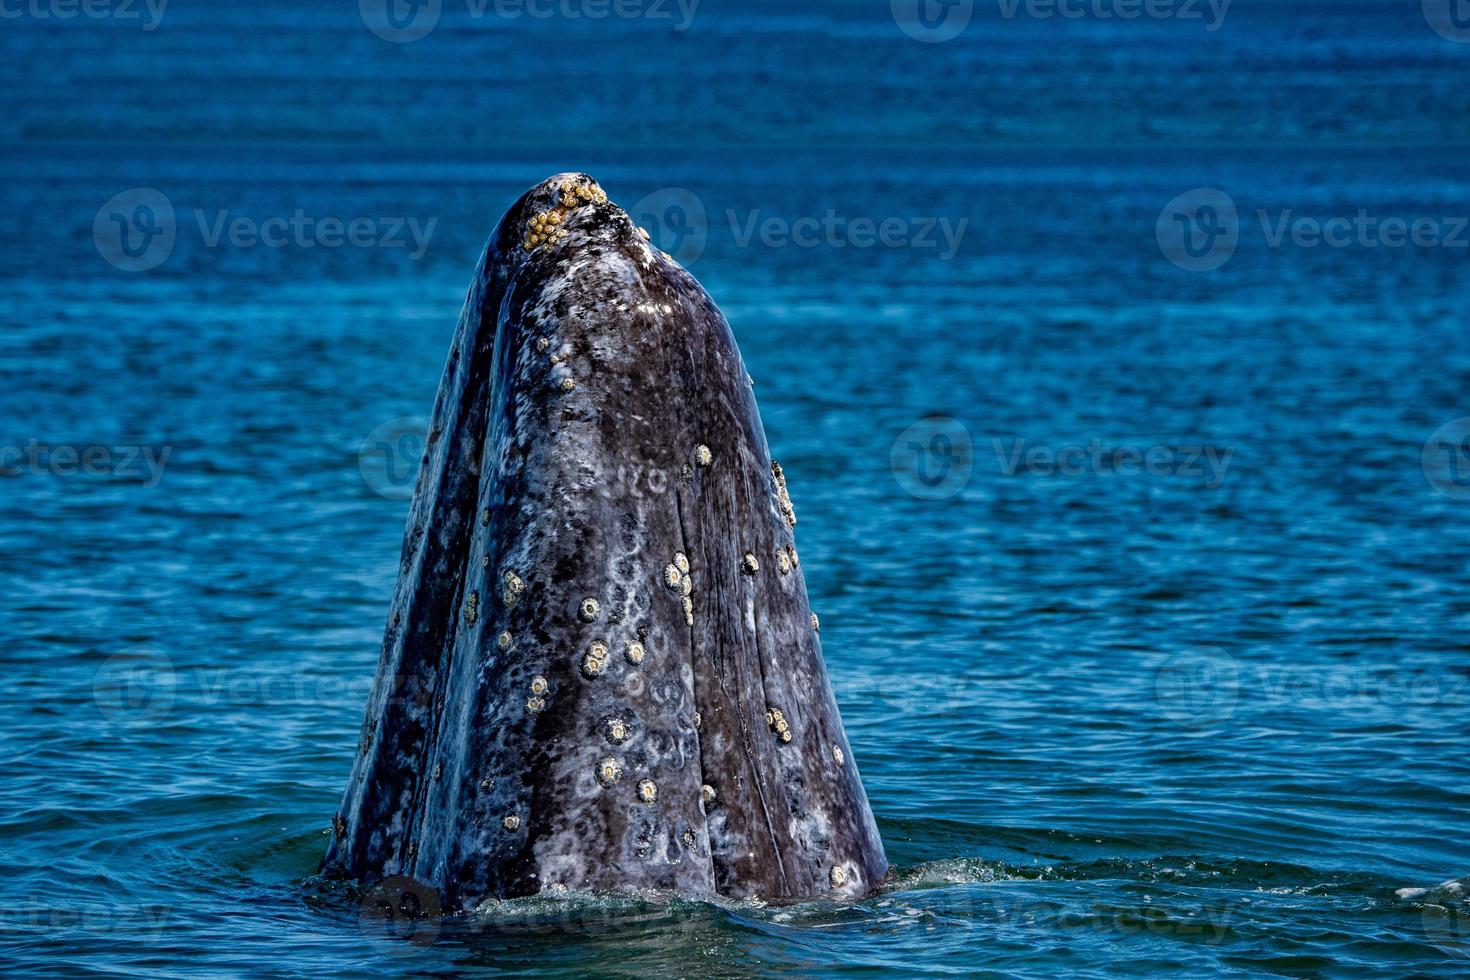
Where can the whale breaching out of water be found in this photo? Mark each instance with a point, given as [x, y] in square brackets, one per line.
[600, 672]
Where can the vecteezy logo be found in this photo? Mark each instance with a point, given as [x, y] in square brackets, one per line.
[1446, 459]
[1450, 19]
[401, 909]
[932, 21]
[390, 456]
[1199, 230]
[135, 230]
[932, 458]
[1198, 687]
[676, 220]
[400, 21]
[134, 686]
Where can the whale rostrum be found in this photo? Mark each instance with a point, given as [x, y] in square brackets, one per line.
[601, 672]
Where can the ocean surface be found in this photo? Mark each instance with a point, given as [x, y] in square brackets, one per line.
[1119, 369]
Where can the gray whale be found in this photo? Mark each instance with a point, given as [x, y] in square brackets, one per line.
[600, 672]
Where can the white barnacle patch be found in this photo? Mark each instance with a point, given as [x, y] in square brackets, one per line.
[838, 876]
[505, 640]
[609, 772]
[672, 576]
[816, 623]
[616, 731]
[688, 611]
[647, 791]
[595, 662]
[783, 563]
[783, 498]
[514, 588]
[837, 754]
[703, 456]
[539, 685]
[567, 384]
[686, 587]
[512, 822]
[472, 608]
[682, 561]
[588, 610]
[795, 561]
[541, 344]
[634, 653]
[708, 795]
[777, 720]
[749, 564]
[535, 705]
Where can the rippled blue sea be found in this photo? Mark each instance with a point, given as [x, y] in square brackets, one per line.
[1119, 368]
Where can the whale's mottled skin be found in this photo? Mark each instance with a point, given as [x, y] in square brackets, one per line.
[601, 672]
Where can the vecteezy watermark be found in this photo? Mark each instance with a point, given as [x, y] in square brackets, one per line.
[678, 222]
[135, 686]
[1450, 19]
[1208, 463]
[1200, 230]
[389, 456]
[135, 230]
[1446, 459]
[1023, 916]
[132, 919]
[1446, 915]
[402, 21]
[1198, 686]
[834, 230]
[401, 910]
[1205, 686]
[933, 21]
[138, 229]
[142, 463]
[933, 458]
[150, 12]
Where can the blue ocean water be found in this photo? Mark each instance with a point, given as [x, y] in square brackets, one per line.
[1118, 367]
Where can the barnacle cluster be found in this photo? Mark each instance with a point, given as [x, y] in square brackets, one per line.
[546, 227]
[778, 724]
[783, 498]
[595, 662]
[515, 587]
[678, 579]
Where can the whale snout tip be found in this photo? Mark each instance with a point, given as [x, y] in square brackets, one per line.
[542, 217]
